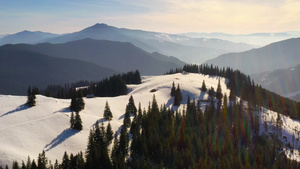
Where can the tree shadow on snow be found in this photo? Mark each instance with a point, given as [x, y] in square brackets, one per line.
[121, 117]
[67, 133]
[20, 108]
[102, 120]
[63, 110]
[202, 94]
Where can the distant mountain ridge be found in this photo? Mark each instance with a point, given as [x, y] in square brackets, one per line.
[119, 56]
[27, 37]
[285, 82]
[44, 64]
[199, 49]
[20, 69]
[260, 39]
[279, 55]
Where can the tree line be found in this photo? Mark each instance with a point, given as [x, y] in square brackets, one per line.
[243, 86]
[112, 86]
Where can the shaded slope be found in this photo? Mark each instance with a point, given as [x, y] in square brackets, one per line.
[279, 55]
[19, 69]
[119, 56]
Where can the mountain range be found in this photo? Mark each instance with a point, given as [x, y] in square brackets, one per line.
[279, 55]
[26, 37]
[285, 82]
[43, 64]
[259, 39]
[191, 50]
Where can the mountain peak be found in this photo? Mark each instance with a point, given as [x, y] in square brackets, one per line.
[97, 27]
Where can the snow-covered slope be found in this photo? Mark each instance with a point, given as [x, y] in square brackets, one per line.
[28, 131]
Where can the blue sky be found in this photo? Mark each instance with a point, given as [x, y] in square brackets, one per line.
[172, 16]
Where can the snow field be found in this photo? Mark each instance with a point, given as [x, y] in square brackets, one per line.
[28, 131]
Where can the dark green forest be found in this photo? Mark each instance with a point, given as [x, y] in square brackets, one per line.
[108, 87]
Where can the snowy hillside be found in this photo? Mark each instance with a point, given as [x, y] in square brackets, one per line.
[28, 131]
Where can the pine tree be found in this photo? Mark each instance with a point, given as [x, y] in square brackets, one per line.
[28, 163]
[109, 134]
[123, 143]
[65, 161]
[77, 122]
[42, 161]
[219, 94]
[203, 87]
[15, 165]
[107, 112]
[80, 101]
[173, 90]
[131, 106]
[77, 104]
[72, 120]
[127, 120]
[33, 165]
[30, 98]
[178, 96]
[211, 93]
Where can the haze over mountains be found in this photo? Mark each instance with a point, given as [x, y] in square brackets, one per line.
[26, 37]
[85, 59]
[260, 39]
[285, 82]
[278, 55]
[122, 50]
[189, 49]
[20, 69]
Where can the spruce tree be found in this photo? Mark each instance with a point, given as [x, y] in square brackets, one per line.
[109, 134]
[77, 122]
[15, 165]
[203, 87]
[33, 165]
[178, 96]
[131, 106]
[219, 94]
[173, 90]
[42, 161]
[72, 120]
[65, 161]
[30, 98]
[127, 120]
[211, 93]
[107, 112]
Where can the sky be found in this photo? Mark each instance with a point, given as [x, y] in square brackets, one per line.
[169, 16]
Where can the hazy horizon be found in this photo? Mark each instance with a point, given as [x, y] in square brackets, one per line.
[176, 16]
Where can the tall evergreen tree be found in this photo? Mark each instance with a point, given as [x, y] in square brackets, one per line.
[219, 94]
[30, 98]
[131, 108]
[42, 161]
[72, 120]
[173, 90]
[107, 112]
[203, 87]
[109, 134]
[178, 96]
[65, 164]
[77, 122]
